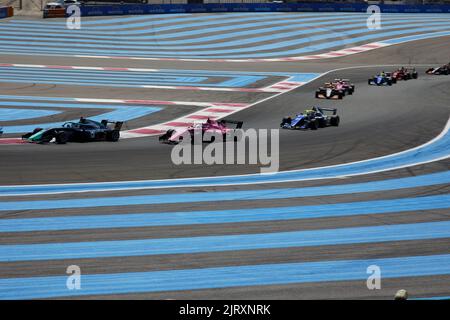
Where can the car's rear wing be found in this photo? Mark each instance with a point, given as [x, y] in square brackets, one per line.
[333, 110]
[238, 124]
[117, 124]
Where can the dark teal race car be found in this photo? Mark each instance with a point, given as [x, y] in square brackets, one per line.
[84, 130]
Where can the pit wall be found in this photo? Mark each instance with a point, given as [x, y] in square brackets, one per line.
[6, 12]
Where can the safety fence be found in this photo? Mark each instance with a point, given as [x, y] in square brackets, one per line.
[132, 9]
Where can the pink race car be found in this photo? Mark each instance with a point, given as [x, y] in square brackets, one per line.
[208, 131]
[344, 85]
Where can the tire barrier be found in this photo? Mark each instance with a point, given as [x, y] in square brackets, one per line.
[55, 13]
[6, 12]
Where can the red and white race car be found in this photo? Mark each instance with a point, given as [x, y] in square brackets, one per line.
[404, 74]
[208, 131]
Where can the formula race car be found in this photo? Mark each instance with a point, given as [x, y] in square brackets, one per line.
[445, 69]
[345, 85]
[208, 130]
[382, 79]
[313, 119]
[330, 91]
[404, 74]
[83, 131]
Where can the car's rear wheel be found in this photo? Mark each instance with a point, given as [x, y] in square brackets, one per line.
[61, 137]
[334, 121]
[113, 136]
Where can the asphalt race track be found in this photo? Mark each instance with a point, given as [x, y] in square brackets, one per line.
[376, 192]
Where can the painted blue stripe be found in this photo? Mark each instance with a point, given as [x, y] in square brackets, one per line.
[160, 72]
[194, 77]
[272, 46]
[233, 23]
[81, 78]
[432, 298]
[285, 193]
[200, 30]
[199, 33]
[66, 105]
[338, 43]
[326, 26]
[86, 84]
[278, 53]
[162, 40]
[97, 20]
[7, 114]
[224, 216]
[92, 81]
[221, 277]
[141, 247]
[410, 38]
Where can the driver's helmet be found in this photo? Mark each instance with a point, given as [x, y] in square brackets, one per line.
[309, 112]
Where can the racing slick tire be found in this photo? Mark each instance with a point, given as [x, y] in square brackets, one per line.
[317, 94]
[61, 137]
[334, 121]
[369, 81]
[394, 80]
[113, 136]
[415, 75]
[313, 125]
[340, 95]
[389, 82]
[286, 120]
[322, 123]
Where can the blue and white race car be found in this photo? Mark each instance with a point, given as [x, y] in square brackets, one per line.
[382, 79]
[313, 119]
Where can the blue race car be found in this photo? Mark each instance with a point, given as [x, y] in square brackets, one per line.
[313, 119]
[382, 79]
